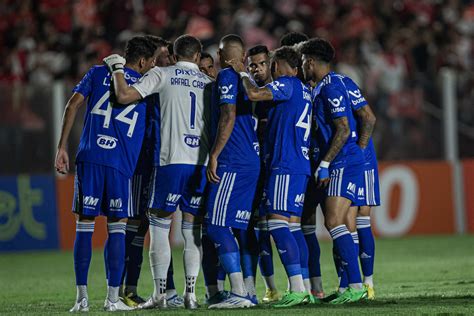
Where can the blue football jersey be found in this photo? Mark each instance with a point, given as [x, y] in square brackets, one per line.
[358, 101]
[287, 136]
[314, 142]
[332, 103]
[242, 148]
[113, 133]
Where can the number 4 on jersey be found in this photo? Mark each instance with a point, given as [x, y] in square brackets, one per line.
[122, 116]
[305, 124]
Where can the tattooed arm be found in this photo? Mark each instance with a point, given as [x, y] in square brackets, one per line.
[341, 135]
[224, 130]
[367, 120]
[256, 93]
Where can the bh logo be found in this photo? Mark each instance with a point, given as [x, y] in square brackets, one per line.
[192, 141]
[106, 142]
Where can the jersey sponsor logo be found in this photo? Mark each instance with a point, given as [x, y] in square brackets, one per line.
[256, 147]
[356, 93]
[192, 141]
[336, 102]
[351, 188]
[196, 201]
[299, 199]
[243, 216]
[173, 198]
[224, 90]
[338, 110]
[355, 102]
[106, 142]
[276, 85]
[115, 203]
[129, 77]
[305, 151]
[189, 72]
[90, 201]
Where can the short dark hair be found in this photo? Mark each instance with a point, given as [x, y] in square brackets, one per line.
[259, 49]
[186, 46]
[232, 39]
[139, 47]
[292, 38]
[207, 55]
[159, 41]
[287, 54]
[319, 48]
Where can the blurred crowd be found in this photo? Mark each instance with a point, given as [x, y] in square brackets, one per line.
[394, 50]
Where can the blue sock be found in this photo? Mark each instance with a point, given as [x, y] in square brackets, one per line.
[355, 239]
[286, 246]
[220, 272]
[366, 245]
[115, 252]
[135, 255]
[210, 260]
[248, 251]
[314, 251]
[341, 272]
[265, 247]
[226, 247]
[297, 233]
[344, 246]
[169, 276]
[83, 251]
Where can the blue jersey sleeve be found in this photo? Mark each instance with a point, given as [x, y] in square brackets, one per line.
[335, 101]
[227, 87]
[282, 89]
[355, 95]
[84, 87]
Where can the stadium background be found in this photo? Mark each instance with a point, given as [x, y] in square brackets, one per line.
[396, 51]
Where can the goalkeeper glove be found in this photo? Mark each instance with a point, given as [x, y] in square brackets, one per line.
[114, 63]
[322, 172]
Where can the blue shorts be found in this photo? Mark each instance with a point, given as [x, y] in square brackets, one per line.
[347, 181]
[178, 185]
[313, 197]
[285, 194]
[229, 202]
[140, 187]
[259, 199]
[101, 190]
[371, 184]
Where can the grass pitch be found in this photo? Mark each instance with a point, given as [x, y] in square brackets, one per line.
[416, 275]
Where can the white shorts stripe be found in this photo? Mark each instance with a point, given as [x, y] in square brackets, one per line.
[152, 188]
[287, 185]
[229, 193]
[275, 193]
[216, 202]
[223, 198]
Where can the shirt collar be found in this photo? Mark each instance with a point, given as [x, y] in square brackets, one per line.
[187, 64]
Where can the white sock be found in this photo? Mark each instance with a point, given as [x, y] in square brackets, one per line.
[250, 285]
[342, 289]
[237, 284]
[81, 292]
[192, 253]
[220, 285]
[270, 282]
[369, 280]
[357, 286]
[307, 285]
[296, 283]
[171, 293]
[113, 293]
[316, 284]
[160, 253]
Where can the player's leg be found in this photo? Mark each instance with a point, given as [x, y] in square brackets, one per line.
[295, 229]
[248, 258]
[341, 194]
[229, 204]
[210, 264]
[88, 187]
[284, 195]
[173, 299]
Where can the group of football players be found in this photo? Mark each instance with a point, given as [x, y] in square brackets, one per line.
[247, 154]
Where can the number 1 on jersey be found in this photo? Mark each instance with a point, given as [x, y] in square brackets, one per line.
[192, 119]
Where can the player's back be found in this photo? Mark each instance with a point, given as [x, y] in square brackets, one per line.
[113, 133]
[288, 129]
[242, 148]
[332, 103]
[184, 96]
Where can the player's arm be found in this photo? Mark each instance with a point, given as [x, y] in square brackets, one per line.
[367, 119]
[124, 93]
[62, 158]
[253, 92]
[224, 130]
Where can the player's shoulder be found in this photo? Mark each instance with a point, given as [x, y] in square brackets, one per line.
[332, 83]
[131, 75]
[98, 70]
[227, 73]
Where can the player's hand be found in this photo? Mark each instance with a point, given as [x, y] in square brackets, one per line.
[62, 161]
[322, 174]
[114, 63]
[211, 171]
[237, 65]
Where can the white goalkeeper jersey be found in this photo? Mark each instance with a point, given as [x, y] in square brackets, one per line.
[185, 95]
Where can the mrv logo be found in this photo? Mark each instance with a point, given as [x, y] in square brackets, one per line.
[173, 198]
[106, 142]
[243, 215]
[90, 201]
[192, 141]
[116, 203]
